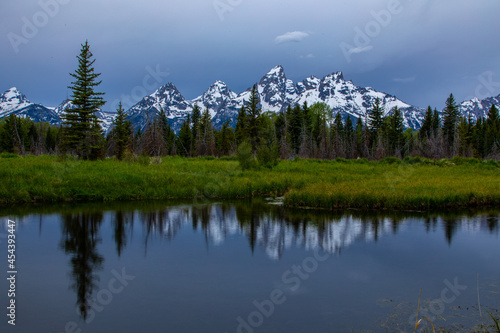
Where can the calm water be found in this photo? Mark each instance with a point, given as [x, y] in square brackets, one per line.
[246, 267]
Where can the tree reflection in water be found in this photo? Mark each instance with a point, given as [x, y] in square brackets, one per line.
[271, 228]
[80, 236]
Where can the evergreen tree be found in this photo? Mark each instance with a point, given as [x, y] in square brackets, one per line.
[348, 133]
[184, 139]
[321, 113]
[426, 129]
[241, 126]
[121, 132]
[51, 139]
[166, 131]
[307, 118]
[436, 122]
[280, 126]
[492, 129]
[376, 120]
[396, 130]
[479, 137]
[82, 130]
[225, 140]
[493, 116]
[205, 142]
[13, 139]
[253, 120]
[359, 137]
[295, 127]
[465, 136]
[450, 120]
[348, 129]
[338, 126]
[195, 120]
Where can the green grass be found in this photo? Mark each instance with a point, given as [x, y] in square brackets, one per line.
[389, 184]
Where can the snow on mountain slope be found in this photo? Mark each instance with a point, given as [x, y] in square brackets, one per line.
[216, 97]
[166, 98]
[14, 102]
[478, 108]
[276, 93]
[11, 101]
[221, 102]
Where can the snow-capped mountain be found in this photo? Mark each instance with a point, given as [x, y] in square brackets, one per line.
[222, 103]
[11, 101]
[61, 108]
[14, 102]
[168, 98]
[274, 234]
[478, 108]
[276, 93]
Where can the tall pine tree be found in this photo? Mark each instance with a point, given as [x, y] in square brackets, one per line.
[82, 129]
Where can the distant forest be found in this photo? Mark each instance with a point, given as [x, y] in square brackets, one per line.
[300, 131]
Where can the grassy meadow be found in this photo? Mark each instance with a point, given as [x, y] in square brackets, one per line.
[411, 184]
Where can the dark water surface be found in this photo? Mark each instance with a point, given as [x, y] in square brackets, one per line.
[246, 267]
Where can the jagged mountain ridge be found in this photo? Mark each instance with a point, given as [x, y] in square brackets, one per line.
[276, 93]
[14, 102]
[478, 108]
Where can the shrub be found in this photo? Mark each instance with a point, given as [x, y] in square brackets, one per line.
[267, 156]
[8, 155]
[143, 160]
[390, 160]
[493, 163]
[245, 156]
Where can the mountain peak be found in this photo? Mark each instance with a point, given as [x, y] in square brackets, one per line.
[276, 71]
[169, 85]
[218, 84]
[167, 89]
[216, 90]
[337, 76]
[13, 95]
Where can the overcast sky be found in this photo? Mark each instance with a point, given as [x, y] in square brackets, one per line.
[417, 50]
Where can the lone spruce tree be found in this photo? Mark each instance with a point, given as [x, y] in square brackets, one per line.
[82, 130]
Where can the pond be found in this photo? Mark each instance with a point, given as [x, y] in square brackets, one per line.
[246, 267]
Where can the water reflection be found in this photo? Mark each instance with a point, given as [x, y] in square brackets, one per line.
[271, 229]
[121, 222]
[80, 236]
[275, 229]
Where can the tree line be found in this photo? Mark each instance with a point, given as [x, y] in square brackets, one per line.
[299, 131]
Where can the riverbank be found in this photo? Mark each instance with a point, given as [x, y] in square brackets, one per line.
[412, 184]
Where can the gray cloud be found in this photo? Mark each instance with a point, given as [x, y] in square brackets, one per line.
[404, 79]
[293, 36]
[443, 41]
